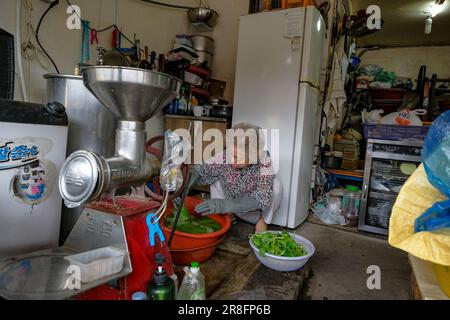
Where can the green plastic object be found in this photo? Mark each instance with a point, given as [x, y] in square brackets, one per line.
[352, 189]
[385, 76]
[195, 265]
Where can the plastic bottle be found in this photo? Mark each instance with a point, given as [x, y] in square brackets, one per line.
[183, 103]
[350, 205]
[193, 285]
[162, 287]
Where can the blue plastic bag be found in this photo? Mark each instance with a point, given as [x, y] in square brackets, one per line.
[436, 160]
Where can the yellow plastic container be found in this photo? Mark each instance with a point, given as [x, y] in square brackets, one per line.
[443, 277]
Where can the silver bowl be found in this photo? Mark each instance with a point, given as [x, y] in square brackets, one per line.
[203, 15]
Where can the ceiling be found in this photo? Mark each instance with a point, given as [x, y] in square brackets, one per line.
[404, 23]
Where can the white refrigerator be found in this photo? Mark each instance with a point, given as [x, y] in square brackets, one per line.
[278, 76]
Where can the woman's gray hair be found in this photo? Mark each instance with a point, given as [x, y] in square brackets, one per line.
[252, 134]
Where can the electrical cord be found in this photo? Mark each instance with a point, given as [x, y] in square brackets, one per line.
[50, 7]
[163, 208]
[87, 26]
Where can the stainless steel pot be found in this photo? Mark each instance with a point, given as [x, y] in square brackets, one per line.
[204, 56]
[203, 15]
[91, 126]
[202, 43]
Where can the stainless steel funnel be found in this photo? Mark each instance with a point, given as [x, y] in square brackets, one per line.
[133, 96]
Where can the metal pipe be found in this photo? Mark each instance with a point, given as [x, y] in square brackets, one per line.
[87, 175]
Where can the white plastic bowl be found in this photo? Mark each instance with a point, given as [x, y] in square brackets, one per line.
[285, 264]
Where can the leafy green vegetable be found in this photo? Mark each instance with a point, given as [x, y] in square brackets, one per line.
[193, 224]
[278, 244]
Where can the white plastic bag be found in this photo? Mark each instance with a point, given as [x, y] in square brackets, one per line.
[405, 118]
[329, 209]
[372, 117]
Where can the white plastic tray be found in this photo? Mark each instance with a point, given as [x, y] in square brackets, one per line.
[98, 264]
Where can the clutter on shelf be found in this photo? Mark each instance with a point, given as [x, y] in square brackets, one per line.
[191, 60]
[339, 207]
[375, 77]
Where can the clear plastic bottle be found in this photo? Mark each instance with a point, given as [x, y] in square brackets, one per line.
[193, 285]
[183, 105]
[351, 204]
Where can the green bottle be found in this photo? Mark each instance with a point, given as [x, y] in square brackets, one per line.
[162, 287]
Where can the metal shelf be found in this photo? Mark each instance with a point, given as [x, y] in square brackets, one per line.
[348, 175]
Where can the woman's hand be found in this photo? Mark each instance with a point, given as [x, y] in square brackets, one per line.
[213, 206]
[261, 226]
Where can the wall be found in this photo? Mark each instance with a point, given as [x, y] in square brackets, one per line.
[155, 26]
[226, 40]
[407, 61]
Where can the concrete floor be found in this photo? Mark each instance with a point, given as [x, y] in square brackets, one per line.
[339, 267]
[338, 270]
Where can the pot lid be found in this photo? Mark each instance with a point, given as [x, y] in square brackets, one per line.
[78, 178]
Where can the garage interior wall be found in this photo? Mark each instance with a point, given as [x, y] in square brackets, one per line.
[155, 26]
[406, 61]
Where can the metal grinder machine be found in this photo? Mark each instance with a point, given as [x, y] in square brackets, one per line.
[117, 213]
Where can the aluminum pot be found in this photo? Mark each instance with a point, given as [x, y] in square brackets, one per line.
[203, 15]
[202, 43]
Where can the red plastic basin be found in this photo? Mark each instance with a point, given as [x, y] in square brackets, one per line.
[187, 247]
[187, 256]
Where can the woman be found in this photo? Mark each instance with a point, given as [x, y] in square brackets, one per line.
[249, 189]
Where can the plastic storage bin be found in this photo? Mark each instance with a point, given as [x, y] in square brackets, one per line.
[98, 264]
[394, 132]
[443, 277]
